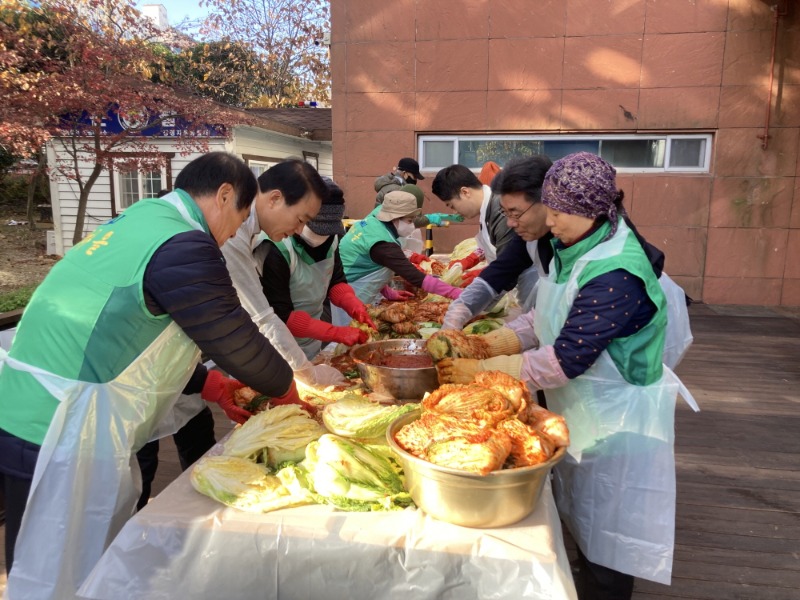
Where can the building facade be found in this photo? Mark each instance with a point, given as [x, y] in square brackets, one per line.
[696, 103]
[283, 133]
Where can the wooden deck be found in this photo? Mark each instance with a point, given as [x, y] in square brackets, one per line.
[738, 514]
[738, 461]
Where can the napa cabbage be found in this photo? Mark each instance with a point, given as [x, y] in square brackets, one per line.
[242, 484]
[359, 417]
[275, 436]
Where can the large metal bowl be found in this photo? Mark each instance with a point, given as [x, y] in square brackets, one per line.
[400, 383]
[494, 500]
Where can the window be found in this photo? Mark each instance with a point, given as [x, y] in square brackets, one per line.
[628, 153]
[258, 167]
[133, 186]
[312, 158]
[259, 164]
[129, 185]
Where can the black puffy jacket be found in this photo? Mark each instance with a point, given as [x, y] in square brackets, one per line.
[187, 279]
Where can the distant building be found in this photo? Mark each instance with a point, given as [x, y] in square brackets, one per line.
[303, 133]
[157, 13]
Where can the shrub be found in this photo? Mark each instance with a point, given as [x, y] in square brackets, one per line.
[14, 191]
[16, 299]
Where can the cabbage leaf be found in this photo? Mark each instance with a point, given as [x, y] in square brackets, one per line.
[242, 484]
[359, 417]
[351, 476]
[284, 431]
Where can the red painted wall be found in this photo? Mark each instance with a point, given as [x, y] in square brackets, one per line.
[732, 236]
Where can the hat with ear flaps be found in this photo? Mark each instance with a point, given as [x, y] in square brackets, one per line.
[415, 191]
[582, 184]
[329, 218]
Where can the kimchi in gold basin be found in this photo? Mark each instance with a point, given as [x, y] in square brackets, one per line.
[499, 498]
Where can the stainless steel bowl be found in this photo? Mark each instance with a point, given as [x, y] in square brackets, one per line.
[494, 500]
[399, 383]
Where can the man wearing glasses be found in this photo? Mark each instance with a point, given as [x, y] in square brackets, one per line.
[527, 252]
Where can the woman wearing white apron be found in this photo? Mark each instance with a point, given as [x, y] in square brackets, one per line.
[595, 345]
[304, 270]
[371, 255]
[97, 363]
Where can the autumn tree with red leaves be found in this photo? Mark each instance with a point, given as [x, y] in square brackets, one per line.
[68, 66]
[287, 35]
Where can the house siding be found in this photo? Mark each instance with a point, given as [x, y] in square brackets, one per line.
[251, 141]
[415, 67]
[64, 193]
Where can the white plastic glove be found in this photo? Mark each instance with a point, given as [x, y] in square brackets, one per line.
[524, 328]
[474, 299]
[457, 315]
[320, 376]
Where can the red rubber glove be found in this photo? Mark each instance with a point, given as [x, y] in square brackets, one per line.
[469, 277]
[292, 397]
[301, 324]
[468, 261]
[219, 389]
[343, 296]
[417, 258]
[393, 294]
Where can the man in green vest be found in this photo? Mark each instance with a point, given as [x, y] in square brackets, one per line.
[108, 342]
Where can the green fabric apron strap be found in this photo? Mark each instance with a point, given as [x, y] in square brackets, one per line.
[308, 284]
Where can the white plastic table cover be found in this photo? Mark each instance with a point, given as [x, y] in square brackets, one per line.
[185, 545]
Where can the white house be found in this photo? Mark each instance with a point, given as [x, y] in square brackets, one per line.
[280, 133]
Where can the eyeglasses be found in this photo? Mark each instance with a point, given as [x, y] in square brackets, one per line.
[512, 215]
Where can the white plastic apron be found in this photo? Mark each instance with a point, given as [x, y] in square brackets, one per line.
[412, 243]
[309, 288]
[483, 239]
[368, 290]
[527, 282]
[85, 486]
[678, 336]
[615, 488]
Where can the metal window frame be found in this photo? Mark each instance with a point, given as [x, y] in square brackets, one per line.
[668, 137]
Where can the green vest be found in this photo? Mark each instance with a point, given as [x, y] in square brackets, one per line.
[87, 320]
[639, 356]
[356, 244]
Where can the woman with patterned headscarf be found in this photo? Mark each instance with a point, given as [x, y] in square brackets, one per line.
[594, 343]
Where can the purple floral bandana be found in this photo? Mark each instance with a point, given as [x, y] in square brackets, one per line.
[582, 184]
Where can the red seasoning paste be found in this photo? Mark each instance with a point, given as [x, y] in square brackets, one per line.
[407, 361]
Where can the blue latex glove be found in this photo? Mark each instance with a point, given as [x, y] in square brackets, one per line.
[438, 218]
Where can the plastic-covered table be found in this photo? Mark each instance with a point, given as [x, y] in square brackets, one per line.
[185, 545]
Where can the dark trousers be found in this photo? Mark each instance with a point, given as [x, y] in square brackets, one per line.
[595, 582]
[192, 441]
[17, 463]
[16, 492]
